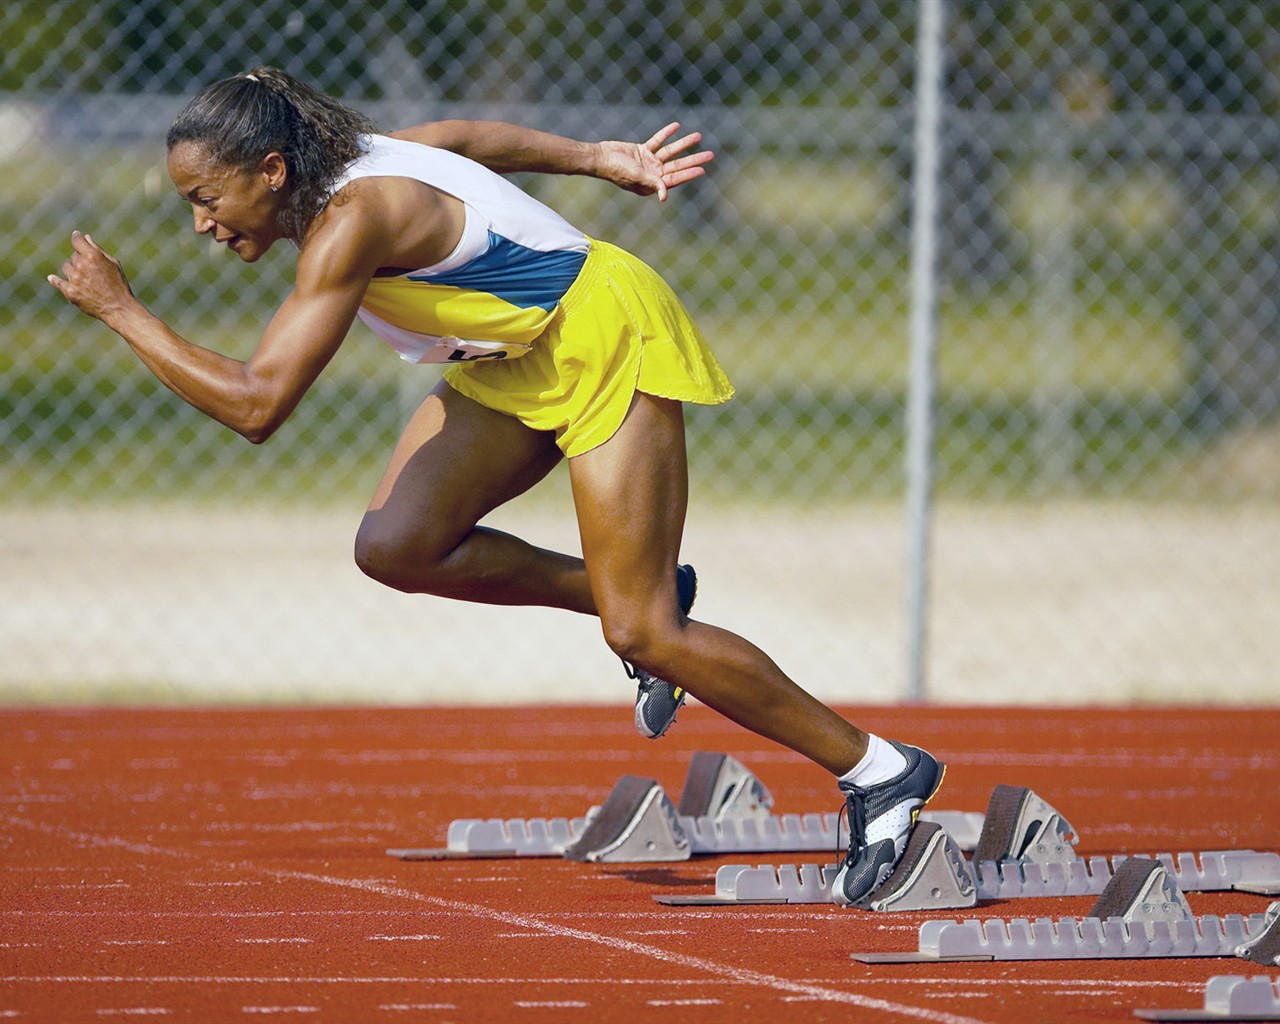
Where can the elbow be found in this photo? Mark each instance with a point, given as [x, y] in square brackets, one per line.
[258, 429]
[259, 420]
[256, 435]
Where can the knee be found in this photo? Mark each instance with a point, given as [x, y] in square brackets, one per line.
[396, 557]
[639, 638]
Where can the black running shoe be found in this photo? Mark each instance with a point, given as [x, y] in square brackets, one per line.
[881, 818]
[657, 701]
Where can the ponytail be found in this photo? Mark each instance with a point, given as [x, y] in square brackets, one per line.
[240, 120]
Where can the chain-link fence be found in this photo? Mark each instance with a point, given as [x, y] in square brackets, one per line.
[1109, 331]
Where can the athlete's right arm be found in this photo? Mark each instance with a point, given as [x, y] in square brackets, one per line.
[253, 397]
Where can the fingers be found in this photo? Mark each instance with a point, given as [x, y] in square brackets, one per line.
[685, 162]
[661, 136]
[680, 177]
[679, 146]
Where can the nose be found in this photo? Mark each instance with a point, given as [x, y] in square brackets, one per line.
[203, 222]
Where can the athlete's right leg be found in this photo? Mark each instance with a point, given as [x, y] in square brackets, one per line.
[455, 462]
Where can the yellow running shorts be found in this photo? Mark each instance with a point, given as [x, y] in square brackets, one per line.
[619, 329]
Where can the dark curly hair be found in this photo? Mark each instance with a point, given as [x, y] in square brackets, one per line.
[240, 120]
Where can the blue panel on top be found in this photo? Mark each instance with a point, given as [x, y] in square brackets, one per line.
[515, 273]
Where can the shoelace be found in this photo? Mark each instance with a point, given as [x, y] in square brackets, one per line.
[857, 821]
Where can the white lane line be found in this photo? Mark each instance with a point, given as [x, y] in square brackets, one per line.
[418, 1006]
[403, 938]
[687, 1002]
[551, 1004]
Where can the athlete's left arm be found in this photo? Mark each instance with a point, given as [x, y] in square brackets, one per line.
[647, 168]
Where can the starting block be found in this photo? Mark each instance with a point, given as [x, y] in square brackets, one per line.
[636, 823]
[1229, 998]
[1140, 914]
[1020, 826]
[1026, 848]
[932, 875]
[723, 809]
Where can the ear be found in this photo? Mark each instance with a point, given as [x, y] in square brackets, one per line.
[274, 171]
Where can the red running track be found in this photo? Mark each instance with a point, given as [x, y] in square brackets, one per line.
[225, 865]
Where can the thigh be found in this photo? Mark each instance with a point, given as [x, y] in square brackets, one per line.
[455, 462]
[631, 495]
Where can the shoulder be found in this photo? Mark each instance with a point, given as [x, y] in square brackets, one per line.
[351, 236]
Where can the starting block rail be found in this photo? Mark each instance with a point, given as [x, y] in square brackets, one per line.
[1207, 871]
[1141, 914]
[1038, 849]
[723, 809]
[1210, 871]
[1086, 938]
[1229, 997]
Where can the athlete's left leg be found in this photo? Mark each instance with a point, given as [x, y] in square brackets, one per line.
[631, 495]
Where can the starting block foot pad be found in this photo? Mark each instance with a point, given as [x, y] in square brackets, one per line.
[1142, 890]
[1020, 826]
[636, 824]
[1229, 998]
[1265, 949]
[932, 875]
[719, 787]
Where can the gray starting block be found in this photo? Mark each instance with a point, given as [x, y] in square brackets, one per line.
[723, 809]
[1020, 826]
[720, 788]
[931, 875]
[1229, 997]
[637, 823]
[1207, 871]
[1140, 914]
[1034, 850]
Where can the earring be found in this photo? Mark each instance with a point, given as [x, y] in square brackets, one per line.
[275, 188]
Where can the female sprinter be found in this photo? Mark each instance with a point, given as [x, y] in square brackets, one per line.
[559, 346]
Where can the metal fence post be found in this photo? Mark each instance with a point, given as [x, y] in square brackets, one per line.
[924, 335]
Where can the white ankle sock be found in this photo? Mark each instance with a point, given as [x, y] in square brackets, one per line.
[881, 763]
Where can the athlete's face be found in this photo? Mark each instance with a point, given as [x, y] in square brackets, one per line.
[236, 206]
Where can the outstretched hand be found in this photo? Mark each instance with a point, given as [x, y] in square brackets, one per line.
[655, 166]
[92, 280]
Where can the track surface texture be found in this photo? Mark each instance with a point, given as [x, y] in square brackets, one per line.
[227, 865]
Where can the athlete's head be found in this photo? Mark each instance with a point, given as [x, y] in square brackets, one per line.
[257, 156]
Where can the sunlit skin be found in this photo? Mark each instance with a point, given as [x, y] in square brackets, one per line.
[237, 207]
[457, 460]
